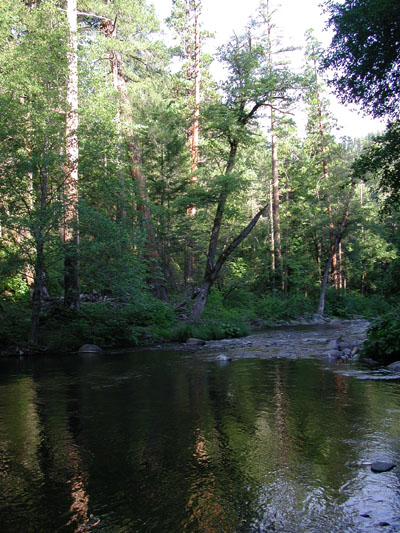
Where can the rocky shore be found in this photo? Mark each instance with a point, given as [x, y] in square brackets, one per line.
[336, 340]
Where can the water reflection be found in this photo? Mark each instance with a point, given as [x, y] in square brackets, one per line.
[157, 441]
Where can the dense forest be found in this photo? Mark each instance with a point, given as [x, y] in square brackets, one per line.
[140, 199]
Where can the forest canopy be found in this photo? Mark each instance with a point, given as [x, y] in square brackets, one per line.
[140, 201]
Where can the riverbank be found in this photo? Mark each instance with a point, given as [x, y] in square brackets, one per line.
[334, 339]
[254, 335]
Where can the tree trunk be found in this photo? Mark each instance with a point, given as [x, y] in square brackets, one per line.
[326, 178]
[38, 287]
[271, 224]
[338, 238]
[71, 230]
[324, 283]
[213, 272]
[151, 249]
[194, 74]
[200, 301]
[276, 204]
[197, 78]
[152, 255]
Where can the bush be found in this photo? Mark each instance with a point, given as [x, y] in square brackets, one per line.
[383, 339]
[208, 330]
[353, 303]
[105, 324]
[15, 320]
[283, 307]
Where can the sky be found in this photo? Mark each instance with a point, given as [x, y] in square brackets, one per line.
[292, 18]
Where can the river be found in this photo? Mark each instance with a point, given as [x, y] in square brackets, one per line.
[174, 440]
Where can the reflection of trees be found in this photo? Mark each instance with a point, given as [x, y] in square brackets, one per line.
[19, 443]
[39, 442]
[208, 448]
[205, 511]
[281, 407]
[79, 509]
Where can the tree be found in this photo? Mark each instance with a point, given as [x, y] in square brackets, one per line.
[32, 136]
[281, 99]
[365, 53]
[381, 158]
[318, 124]
[247, 90]
[131, 61]
[71, 223]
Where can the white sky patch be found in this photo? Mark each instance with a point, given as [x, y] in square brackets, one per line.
[292, 19]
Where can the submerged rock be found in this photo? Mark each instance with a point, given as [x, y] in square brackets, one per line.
[382, 466]
[223, 357]
[333, 354]
[90, 348]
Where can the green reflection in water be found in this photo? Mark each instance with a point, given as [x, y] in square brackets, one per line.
[161, 441]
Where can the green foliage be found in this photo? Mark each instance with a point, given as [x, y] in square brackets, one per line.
[383, 341]
[14, 322]
[380, 160]
[207, 330]
[237, 306]
[108, 324]
[365, 53]
[345, 304]
[284, 307]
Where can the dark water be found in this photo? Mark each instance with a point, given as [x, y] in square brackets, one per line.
[173, 442]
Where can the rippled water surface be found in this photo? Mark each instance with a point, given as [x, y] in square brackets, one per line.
[172, 442]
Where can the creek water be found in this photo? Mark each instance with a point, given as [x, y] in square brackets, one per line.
[173, 441]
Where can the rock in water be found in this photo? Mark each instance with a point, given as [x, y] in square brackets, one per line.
[90, 348]
[224, 357]
[195, 342]
[382, 466]
[332, 345]
[333, 354]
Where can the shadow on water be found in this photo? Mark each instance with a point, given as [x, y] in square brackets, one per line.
[175, 441]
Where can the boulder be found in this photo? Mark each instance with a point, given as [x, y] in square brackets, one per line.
[90, 348]
[195, 342]
[332, 345]
[395, 367]
[346, 345]
[382, 466]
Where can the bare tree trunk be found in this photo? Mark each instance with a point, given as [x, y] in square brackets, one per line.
[363, 268]
[38, 287]
[340, 266]
[71, 231]
[326, 177]
[276, 203]
[197, 78]
[212, 273]
[271, 224]
[195, 75]
[338, 238]
[285, 280]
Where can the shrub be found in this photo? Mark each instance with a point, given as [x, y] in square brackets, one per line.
[105, 324]
[353, 303]
[283, 307]
[383, 339]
